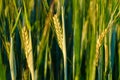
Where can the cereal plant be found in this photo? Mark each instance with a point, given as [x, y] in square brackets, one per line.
[59, 39]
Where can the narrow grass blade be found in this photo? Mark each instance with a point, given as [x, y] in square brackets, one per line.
[17, 19]
[26, 16]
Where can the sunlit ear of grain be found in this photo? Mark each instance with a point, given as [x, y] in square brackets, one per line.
[60, 34]
[104, 33]
[28, 49]
[58, 31]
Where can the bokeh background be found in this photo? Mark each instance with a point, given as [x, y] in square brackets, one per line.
[87, 30]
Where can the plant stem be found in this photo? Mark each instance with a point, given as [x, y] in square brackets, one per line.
[64, 46]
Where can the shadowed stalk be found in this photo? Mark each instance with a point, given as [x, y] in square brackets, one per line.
[46, 62]
[50, 67]
[2, 69]
[118, 45]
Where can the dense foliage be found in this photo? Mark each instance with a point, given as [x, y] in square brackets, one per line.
[59, 39]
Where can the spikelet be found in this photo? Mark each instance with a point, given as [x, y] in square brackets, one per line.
[28, 50]
[58, 30]
[102, 35]
[99, 43]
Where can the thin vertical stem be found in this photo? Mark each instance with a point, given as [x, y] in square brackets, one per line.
[64, 46]
[76, 40]
[12, 61]
[32, 61]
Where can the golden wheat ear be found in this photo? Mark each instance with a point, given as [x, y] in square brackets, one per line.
[99, 43]
[26, 36]
[58, 31]
[104, 33]
[60, 34]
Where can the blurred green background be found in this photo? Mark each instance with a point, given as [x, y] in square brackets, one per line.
[84, 23]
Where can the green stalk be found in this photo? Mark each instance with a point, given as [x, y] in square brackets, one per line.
[92, 69]
[2, 69]
[76, 41]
